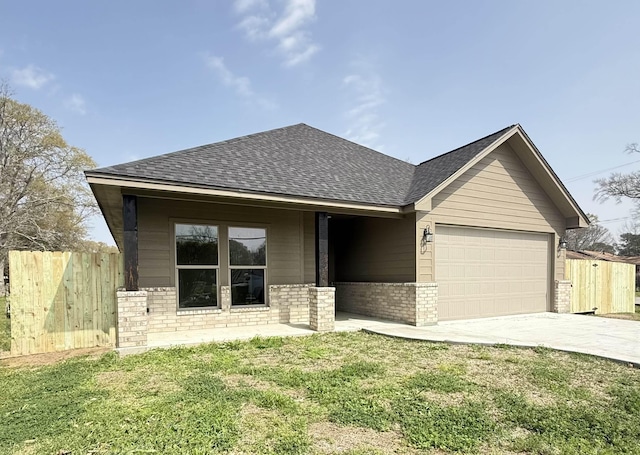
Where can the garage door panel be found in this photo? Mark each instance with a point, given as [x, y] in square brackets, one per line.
[482, 272]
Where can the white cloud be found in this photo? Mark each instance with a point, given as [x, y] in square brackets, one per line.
[366, 94]
[76, 103]
[31, 76]
[254, 27]
[286, 28]
[241, 85]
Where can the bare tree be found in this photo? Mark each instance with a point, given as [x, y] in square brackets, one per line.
[594, 237]
[44, 198]
[619, 185]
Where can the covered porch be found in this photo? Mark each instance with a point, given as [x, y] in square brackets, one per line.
[317, 263]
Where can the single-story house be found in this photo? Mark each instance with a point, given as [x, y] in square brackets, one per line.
[289, 225]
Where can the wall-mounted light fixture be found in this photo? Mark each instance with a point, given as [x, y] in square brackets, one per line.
[562, 244]
[427, 235]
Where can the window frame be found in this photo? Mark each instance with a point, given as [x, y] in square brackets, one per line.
[264, 267]
[178, 267]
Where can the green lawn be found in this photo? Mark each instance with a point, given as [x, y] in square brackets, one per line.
[335, 393]
[5, 328]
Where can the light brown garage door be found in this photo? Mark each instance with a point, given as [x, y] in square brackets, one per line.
[482, 272]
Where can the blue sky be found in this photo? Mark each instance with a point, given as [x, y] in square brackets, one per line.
[413, 79]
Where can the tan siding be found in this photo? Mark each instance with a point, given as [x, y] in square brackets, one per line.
[424, 252]
[155, 227]
[498, 192]
[375, 249]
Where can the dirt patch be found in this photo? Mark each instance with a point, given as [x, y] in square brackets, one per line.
[50, 358]
[331, 438]
[113, 380]
[238, 381]
[120, 381]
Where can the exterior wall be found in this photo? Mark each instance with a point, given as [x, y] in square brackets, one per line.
[498, 192]
[322, 309]
[289, 304]
[132, 318]
[426, 304]
[290, 252]
[374, 249]
[292, 301]
[411, 303]
[562, 297]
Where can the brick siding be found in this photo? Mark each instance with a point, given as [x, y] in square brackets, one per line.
[562, 296]
[322, 309]
[132, 318]
[411, 303]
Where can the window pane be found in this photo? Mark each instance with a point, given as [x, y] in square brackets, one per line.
[247, 246]
[197, 288]
[196, 244]
[247, 286]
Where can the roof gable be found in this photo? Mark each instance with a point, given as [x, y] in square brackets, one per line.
[431, 173]
[531, 158]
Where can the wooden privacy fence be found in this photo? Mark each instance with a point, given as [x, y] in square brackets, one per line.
[601, 286]
[62, 301]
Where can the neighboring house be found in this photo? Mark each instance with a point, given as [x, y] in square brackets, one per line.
[280, 226]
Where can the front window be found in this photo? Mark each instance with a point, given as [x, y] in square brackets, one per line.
[247, 265]
[197, 265]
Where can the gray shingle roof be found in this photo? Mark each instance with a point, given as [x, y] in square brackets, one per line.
[301, 161]
[431, 173]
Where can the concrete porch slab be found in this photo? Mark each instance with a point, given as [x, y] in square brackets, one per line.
[194, 337]
[345, 322]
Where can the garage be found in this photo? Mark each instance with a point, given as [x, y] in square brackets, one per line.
[485, 272]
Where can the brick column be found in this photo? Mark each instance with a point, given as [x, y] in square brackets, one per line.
[225, 298]
[426, 304]
[562, 297]
[322, 309]
[132, 319]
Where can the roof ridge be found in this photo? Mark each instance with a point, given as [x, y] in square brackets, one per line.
[359, 145]
[467, 145]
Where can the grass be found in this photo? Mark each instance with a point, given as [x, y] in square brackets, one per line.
[342, 393]
[5, 328]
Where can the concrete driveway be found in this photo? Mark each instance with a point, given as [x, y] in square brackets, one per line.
[611, 338]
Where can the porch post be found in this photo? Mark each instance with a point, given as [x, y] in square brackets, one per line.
[322, 249]
[130, 246]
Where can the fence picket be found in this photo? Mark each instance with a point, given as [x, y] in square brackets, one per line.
[62, 300]
[601, 286]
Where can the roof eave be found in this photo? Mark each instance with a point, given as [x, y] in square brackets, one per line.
[288, 201]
